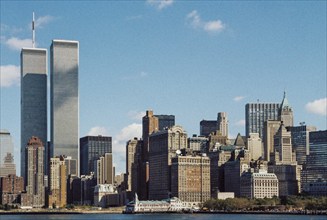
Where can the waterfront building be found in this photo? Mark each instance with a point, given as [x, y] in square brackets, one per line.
[300, 141]
[168, 205]
[257, 113]
[91, 148]
[270, 129]
[208, 126]
[222, 121]
[254, 145]
[33, 101]
[163, 147]
[285, 113]
[315, 170]
[35, 189]
[64, 99]
[133, 165]
[58, 182]
[7, 165]
[11, 187]
[198, 143]
[225, 195]
[106, 195]
[259, 185]
[190, 179]
[165, 121]
[104, 169]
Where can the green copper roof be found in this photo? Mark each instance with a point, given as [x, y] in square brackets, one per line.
[285, 103]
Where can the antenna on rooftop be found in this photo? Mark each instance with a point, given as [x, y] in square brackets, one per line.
[33, 32]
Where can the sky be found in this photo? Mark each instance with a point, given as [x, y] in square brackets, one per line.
[191, 59]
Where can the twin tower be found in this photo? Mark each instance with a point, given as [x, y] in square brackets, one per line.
[64, 100]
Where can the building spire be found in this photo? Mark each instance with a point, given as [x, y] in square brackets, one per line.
[33, 31]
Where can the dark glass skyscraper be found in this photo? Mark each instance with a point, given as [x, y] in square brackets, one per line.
[91, 148]
[33, 100]
[165, 121]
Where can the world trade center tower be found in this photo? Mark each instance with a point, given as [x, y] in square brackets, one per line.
[33, 100]
[64, 100]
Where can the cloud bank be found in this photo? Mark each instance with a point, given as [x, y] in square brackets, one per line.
[318, 107]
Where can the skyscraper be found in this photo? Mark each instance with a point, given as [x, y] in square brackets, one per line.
[165, 121]
[207, 126]
[133, 165]
[58, 182]
[64, 99]
[35, 190]
[7, 165]
[163, 147]
[33, 99]
[222, 123]
[104, 170]
[91, 148]
[256, 114]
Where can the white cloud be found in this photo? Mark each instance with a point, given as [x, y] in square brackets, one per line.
[160, 4]
[17, 44]
[318, 107]
[240, 123]
[10, 75]
[119, 144]
[135, 115]
[196, 22]
[40, 22]
[238, 98]
[98, 130]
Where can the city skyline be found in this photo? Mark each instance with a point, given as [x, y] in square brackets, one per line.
[172, 58]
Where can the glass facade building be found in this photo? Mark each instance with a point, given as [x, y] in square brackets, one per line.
[91, 148]
[256, 114]
[64, 99]
[33, 100]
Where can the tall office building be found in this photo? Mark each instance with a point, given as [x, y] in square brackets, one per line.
[165, 121]
[223, 123]
[254, 145]
[257, 113]
[7, 165]
[190, 179]
[133, 165]
[58, 182]
[163, 147]
[35, 190]
[315, 170]
[285, 113]
[105, 170]
[283, 147]
[207, 126]
[270, 129]
[64, 99]
[150, 124]
[300, 141]
[91, 148]
[33, 100]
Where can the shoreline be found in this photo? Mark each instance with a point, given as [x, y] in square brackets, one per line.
[73, 212]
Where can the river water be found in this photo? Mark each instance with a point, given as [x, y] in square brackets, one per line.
[165, 216]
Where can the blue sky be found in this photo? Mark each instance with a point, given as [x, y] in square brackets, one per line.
[192, 59]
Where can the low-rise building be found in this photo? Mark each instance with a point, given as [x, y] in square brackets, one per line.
[259, 185]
